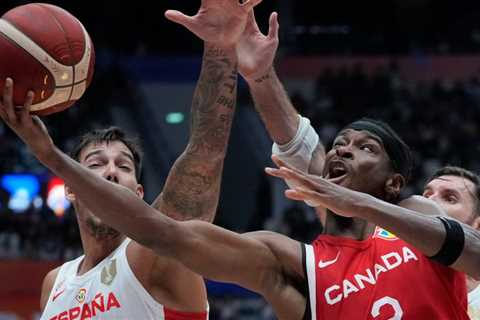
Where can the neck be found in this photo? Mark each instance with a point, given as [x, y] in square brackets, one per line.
[353, 228]
[96, 248]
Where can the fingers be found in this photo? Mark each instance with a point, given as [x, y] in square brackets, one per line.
[302, 194]
[24, 111]
[251, 25]
[274, 172]
[293, 194]
[180, 18]
[273, 26]
[8, 100]
[281, 163]
[249, 4]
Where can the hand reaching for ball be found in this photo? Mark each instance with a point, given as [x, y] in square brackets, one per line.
[219, 22]
[29, 128]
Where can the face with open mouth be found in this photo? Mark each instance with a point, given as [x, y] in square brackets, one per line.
[358, 161]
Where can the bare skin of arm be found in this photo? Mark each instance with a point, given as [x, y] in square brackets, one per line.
[256, 53]
[192, 188]
[193, 185]
[266, 263]
[47, 287]
[423, 231]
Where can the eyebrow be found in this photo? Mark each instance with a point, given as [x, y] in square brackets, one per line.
[368, 136]
[128, 155]
[91, 154]
[96, 152]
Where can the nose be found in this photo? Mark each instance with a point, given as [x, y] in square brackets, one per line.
[344, 152]
[111, 173]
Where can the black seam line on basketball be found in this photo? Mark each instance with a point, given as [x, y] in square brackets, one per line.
[16, 44]
[71, 85]
[66, 41]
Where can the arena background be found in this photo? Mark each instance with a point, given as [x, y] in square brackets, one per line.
[412, 63]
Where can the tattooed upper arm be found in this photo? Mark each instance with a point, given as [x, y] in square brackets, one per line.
[193, 185]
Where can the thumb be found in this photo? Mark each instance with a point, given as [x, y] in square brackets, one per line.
[180, 18]
[273, 26]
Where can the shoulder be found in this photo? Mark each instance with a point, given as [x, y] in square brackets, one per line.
[140, 260]
[47, 286]
[167, 281]
[422, 205]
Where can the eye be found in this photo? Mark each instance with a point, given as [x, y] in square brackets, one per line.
[338, 143]
[93, 165]
[126, 168]
[451, 199]
[367, 148]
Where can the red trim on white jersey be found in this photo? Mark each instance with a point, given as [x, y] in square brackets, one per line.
[180, 315]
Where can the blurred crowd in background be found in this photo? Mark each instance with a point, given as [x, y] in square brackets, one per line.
[439, 119]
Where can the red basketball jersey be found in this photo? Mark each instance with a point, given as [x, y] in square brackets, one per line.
[379, 278]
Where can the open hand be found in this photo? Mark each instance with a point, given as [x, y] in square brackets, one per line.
[318, 191]
[256, 51]
[220, 22]
[29, 128]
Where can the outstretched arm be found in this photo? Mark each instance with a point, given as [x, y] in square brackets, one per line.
[424, 231]
[267, 264]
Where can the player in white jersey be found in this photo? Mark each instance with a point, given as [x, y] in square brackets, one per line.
[457, 191]
[122, 279]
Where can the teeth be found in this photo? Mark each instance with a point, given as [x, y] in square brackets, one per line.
[337, 170]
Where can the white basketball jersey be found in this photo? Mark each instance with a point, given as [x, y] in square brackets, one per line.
[110, 290]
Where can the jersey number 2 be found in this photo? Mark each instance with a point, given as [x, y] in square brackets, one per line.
[390, 301]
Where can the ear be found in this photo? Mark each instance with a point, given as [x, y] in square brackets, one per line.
[139, 191]
[69, 194]
[393, 186]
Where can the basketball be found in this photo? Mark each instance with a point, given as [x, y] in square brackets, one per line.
[47, 50]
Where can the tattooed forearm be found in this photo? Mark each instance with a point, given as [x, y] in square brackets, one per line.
[192, 187]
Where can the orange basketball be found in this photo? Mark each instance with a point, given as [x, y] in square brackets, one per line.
[45, 49]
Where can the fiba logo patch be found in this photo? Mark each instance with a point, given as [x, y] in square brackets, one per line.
[81, 295]
[108, 273]
[384, 234]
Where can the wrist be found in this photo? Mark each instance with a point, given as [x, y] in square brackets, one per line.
[218, 50]
[260, 78]
[47, 155]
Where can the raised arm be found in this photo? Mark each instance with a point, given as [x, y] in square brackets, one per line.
[256, 53]
[193, 185]
[295, 141]
[424, 231]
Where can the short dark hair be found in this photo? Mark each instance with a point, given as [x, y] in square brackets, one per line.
[109, 135]
[465, 174]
